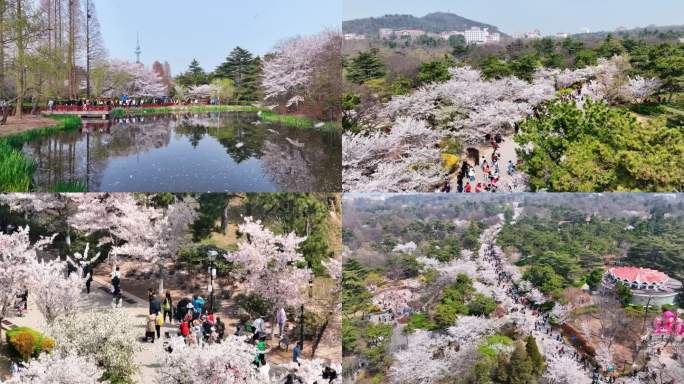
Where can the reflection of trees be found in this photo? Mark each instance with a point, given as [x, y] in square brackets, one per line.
[314, 167]
[229, 129]
[83, 155]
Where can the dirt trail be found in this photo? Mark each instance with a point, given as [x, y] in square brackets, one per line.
[28, 123]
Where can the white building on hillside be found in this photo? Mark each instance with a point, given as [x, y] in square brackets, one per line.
[474, 35]
[354, 36]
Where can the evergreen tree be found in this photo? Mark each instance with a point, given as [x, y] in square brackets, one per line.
[195, 75]
[243, 68]
[520, 368]
[493, 68]
[365, 66]
[535, 356]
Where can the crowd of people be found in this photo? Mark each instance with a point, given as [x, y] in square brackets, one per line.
[120, 102]
[467, 181]
[543, 326]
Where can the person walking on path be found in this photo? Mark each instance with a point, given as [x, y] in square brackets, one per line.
[116, 290]
[281, 318]
[220, 328]
[198, 303]
[159, 323]
[155, 305]
[260, 358]
[296, 354]
[88, 274]
[258, 328]
[150, 330]
[167, 307]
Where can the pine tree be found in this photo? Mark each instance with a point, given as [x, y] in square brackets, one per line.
[367, 65]
[520, 367]
[535, 356]
[195, 75]
[243, 68]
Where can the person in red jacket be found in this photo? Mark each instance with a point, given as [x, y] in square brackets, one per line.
[468, 187]
[478, 187]
[184, 328]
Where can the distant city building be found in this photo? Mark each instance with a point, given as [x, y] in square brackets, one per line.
[477, 35]
[535, 34]
[649, 286]
[562, 35]
[388, 33]
[681, 39]
[354, 36]
[474, 35]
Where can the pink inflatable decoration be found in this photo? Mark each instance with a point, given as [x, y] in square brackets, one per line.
[668, 324]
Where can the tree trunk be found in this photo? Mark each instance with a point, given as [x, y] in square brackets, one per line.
[34, 106]
[71, 47]
[88, 48]
[161, 279]
[20, 59]
[224, 216]
[2, 46]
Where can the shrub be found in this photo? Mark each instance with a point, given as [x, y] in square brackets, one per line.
[194, 259]
[419, 321]
[26, 343]
[254, 304]
[450, 162]
[481, 305]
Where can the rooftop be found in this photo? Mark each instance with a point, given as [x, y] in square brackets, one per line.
[642, 275]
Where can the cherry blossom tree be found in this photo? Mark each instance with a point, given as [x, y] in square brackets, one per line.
[469, 328]
[50, 209]
[17, 256]
[405, 159]
[268, 263]
[417, 363]
[109, 337]
[132, 79]
[309, 371]
[565, 370]
[409, 247]
[643, 88]
[59, 369]
[227, 362]
[125, 223]
[54, 293]
[201, 91]
[172, 233]
[80, 261]
[288, 72]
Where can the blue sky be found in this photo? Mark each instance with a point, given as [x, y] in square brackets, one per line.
[549, 16]
[179, 30]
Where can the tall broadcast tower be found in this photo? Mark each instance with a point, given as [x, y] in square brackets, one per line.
[138, 51]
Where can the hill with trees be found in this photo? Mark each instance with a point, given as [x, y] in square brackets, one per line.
[434, 22]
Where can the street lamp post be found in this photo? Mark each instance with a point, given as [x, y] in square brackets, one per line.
[212, 273]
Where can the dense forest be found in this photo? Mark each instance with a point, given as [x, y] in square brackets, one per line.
[434, 22]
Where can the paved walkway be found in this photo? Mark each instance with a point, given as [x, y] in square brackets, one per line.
[137, 309]
[507, 152]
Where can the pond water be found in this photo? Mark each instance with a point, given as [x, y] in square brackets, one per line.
[206, 152]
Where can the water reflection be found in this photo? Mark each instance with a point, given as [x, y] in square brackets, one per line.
[190, 152]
